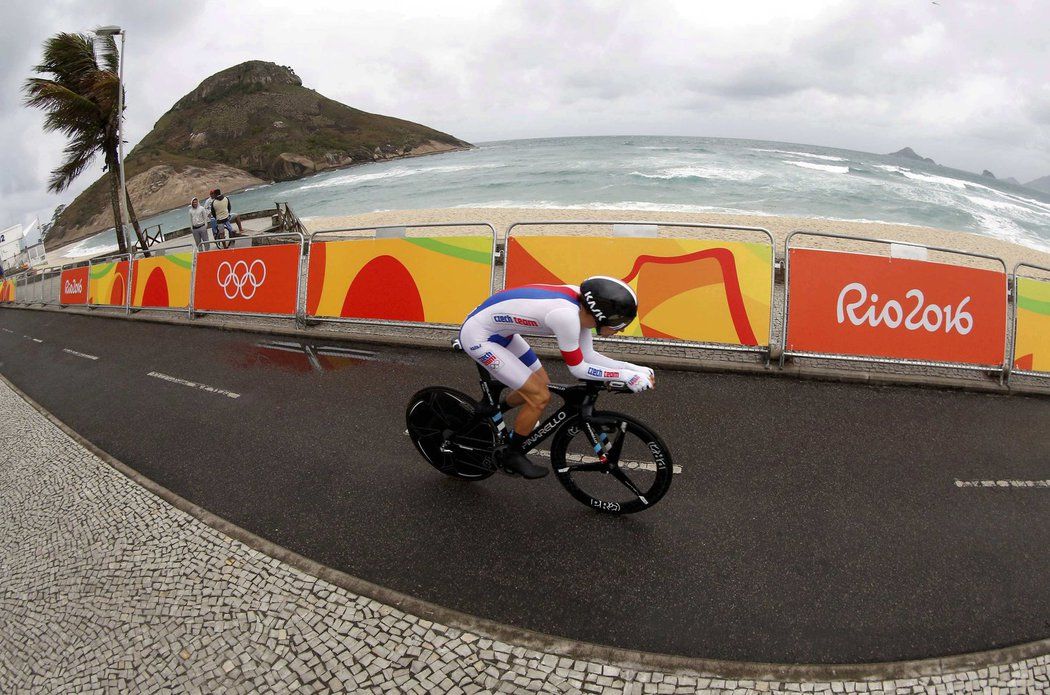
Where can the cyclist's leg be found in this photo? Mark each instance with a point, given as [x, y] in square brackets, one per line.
[496, 359]
[520, 348]
[535, 397]
[491, 352]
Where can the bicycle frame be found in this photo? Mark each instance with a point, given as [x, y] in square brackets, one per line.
[578, 399]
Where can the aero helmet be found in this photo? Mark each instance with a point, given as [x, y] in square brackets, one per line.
[610, 301]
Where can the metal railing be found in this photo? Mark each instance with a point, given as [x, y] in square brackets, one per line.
[115, 259]
[1015, 300]
[1001, 368]
[391, 232]
[161, 253]
[635, 226]
[156, 237]
[194, 310]
[45, 287]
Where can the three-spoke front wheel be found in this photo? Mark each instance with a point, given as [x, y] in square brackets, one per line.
[441, 423]
[635, 473]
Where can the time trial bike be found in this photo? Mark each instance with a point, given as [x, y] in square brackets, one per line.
[609, 461]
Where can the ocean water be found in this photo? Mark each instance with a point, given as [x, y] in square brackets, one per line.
[661, 173]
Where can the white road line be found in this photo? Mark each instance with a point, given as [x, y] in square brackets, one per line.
[194, 384]
[624, 463]
[80, 354]
[37, 340]
[1003, 483]
[8, 330]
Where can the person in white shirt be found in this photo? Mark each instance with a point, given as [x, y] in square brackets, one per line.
[198, 222]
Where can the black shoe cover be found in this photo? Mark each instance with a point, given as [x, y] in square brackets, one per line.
[520, 463]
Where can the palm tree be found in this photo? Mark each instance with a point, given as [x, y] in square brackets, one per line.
[80, 99]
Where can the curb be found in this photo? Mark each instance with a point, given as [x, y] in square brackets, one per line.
[664, 361]
[625, 658]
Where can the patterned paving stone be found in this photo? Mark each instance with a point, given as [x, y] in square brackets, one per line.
[104, 587]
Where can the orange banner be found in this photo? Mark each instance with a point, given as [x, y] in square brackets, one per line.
[858, 304]
[74, 286]
[256, 280]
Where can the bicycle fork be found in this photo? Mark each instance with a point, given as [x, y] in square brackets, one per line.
[603, 447]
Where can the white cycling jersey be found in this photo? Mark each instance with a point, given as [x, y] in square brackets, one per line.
[491, 335]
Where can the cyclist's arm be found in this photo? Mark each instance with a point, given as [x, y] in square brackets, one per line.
[593, 356]
[565, 323]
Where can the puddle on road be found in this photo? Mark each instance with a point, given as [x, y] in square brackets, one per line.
[305, 357]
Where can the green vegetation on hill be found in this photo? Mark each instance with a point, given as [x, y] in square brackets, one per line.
[256, 117]
[249, 115]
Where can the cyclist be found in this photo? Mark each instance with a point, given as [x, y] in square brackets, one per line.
[491, 335]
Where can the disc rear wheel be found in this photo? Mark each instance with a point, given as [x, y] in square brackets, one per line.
[441, 423]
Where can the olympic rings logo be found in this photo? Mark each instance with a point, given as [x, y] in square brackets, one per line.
[240, 278]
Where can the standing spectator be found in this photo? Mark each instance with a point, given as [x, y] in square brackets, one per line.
[222, 208]
[209, 205]
[198, 222]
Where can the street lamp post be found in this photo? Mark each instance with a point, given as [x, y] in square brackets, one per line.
[112, 30]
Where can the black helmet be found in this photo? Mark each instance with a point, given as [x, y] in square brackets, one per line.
[610, 301]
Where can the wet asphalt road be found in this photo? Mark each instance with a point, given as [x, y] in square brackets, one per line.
[813, 522]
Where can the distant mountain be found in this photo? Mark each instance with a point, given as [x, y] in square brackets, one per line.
[246, 125]
[909, 153]
[1011, 179]
[1041, 184]
[988, 174]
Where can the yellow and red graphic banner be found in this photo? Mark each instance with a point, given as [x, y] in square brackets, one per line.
[162, 281]
[859, 304]
[688, 289]
[256, 280]
[108, 283]
[73, 286]
[1032, 334]
[7, 291]
[432, 279]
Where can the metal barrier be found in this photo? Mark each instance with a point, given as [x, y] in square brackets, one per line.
[156, 237]
[9, 289]
[649, 229]
[36, 295]
[391, 232]
[50, 286]
[67, 290]
[116, 261]
[243, 281]
[21, 284]
[144, 278]
[1016, 301]
[1001, 367]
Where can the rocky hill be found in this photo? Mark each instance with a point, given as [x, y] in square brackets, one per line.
[249, 124]
[909, 153]
[1040, 184]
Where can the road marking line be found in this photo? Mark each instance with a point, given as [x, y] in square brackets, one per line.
[194, 384]
[8, 330]
[1002, 483]
[37, 340]
[79, 354]
[624, 463]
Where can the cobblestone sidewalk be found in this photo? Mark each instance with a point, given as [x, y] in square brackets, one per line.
[104, 587]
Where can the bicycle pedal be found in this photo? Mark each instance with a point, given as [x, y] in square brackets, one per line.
[445, 448]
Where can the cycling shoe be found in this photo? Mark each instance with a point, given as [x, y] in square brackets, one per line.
[514, 460]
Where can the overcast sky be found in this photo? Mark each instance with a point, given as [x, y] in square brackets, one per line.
[962, 82]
